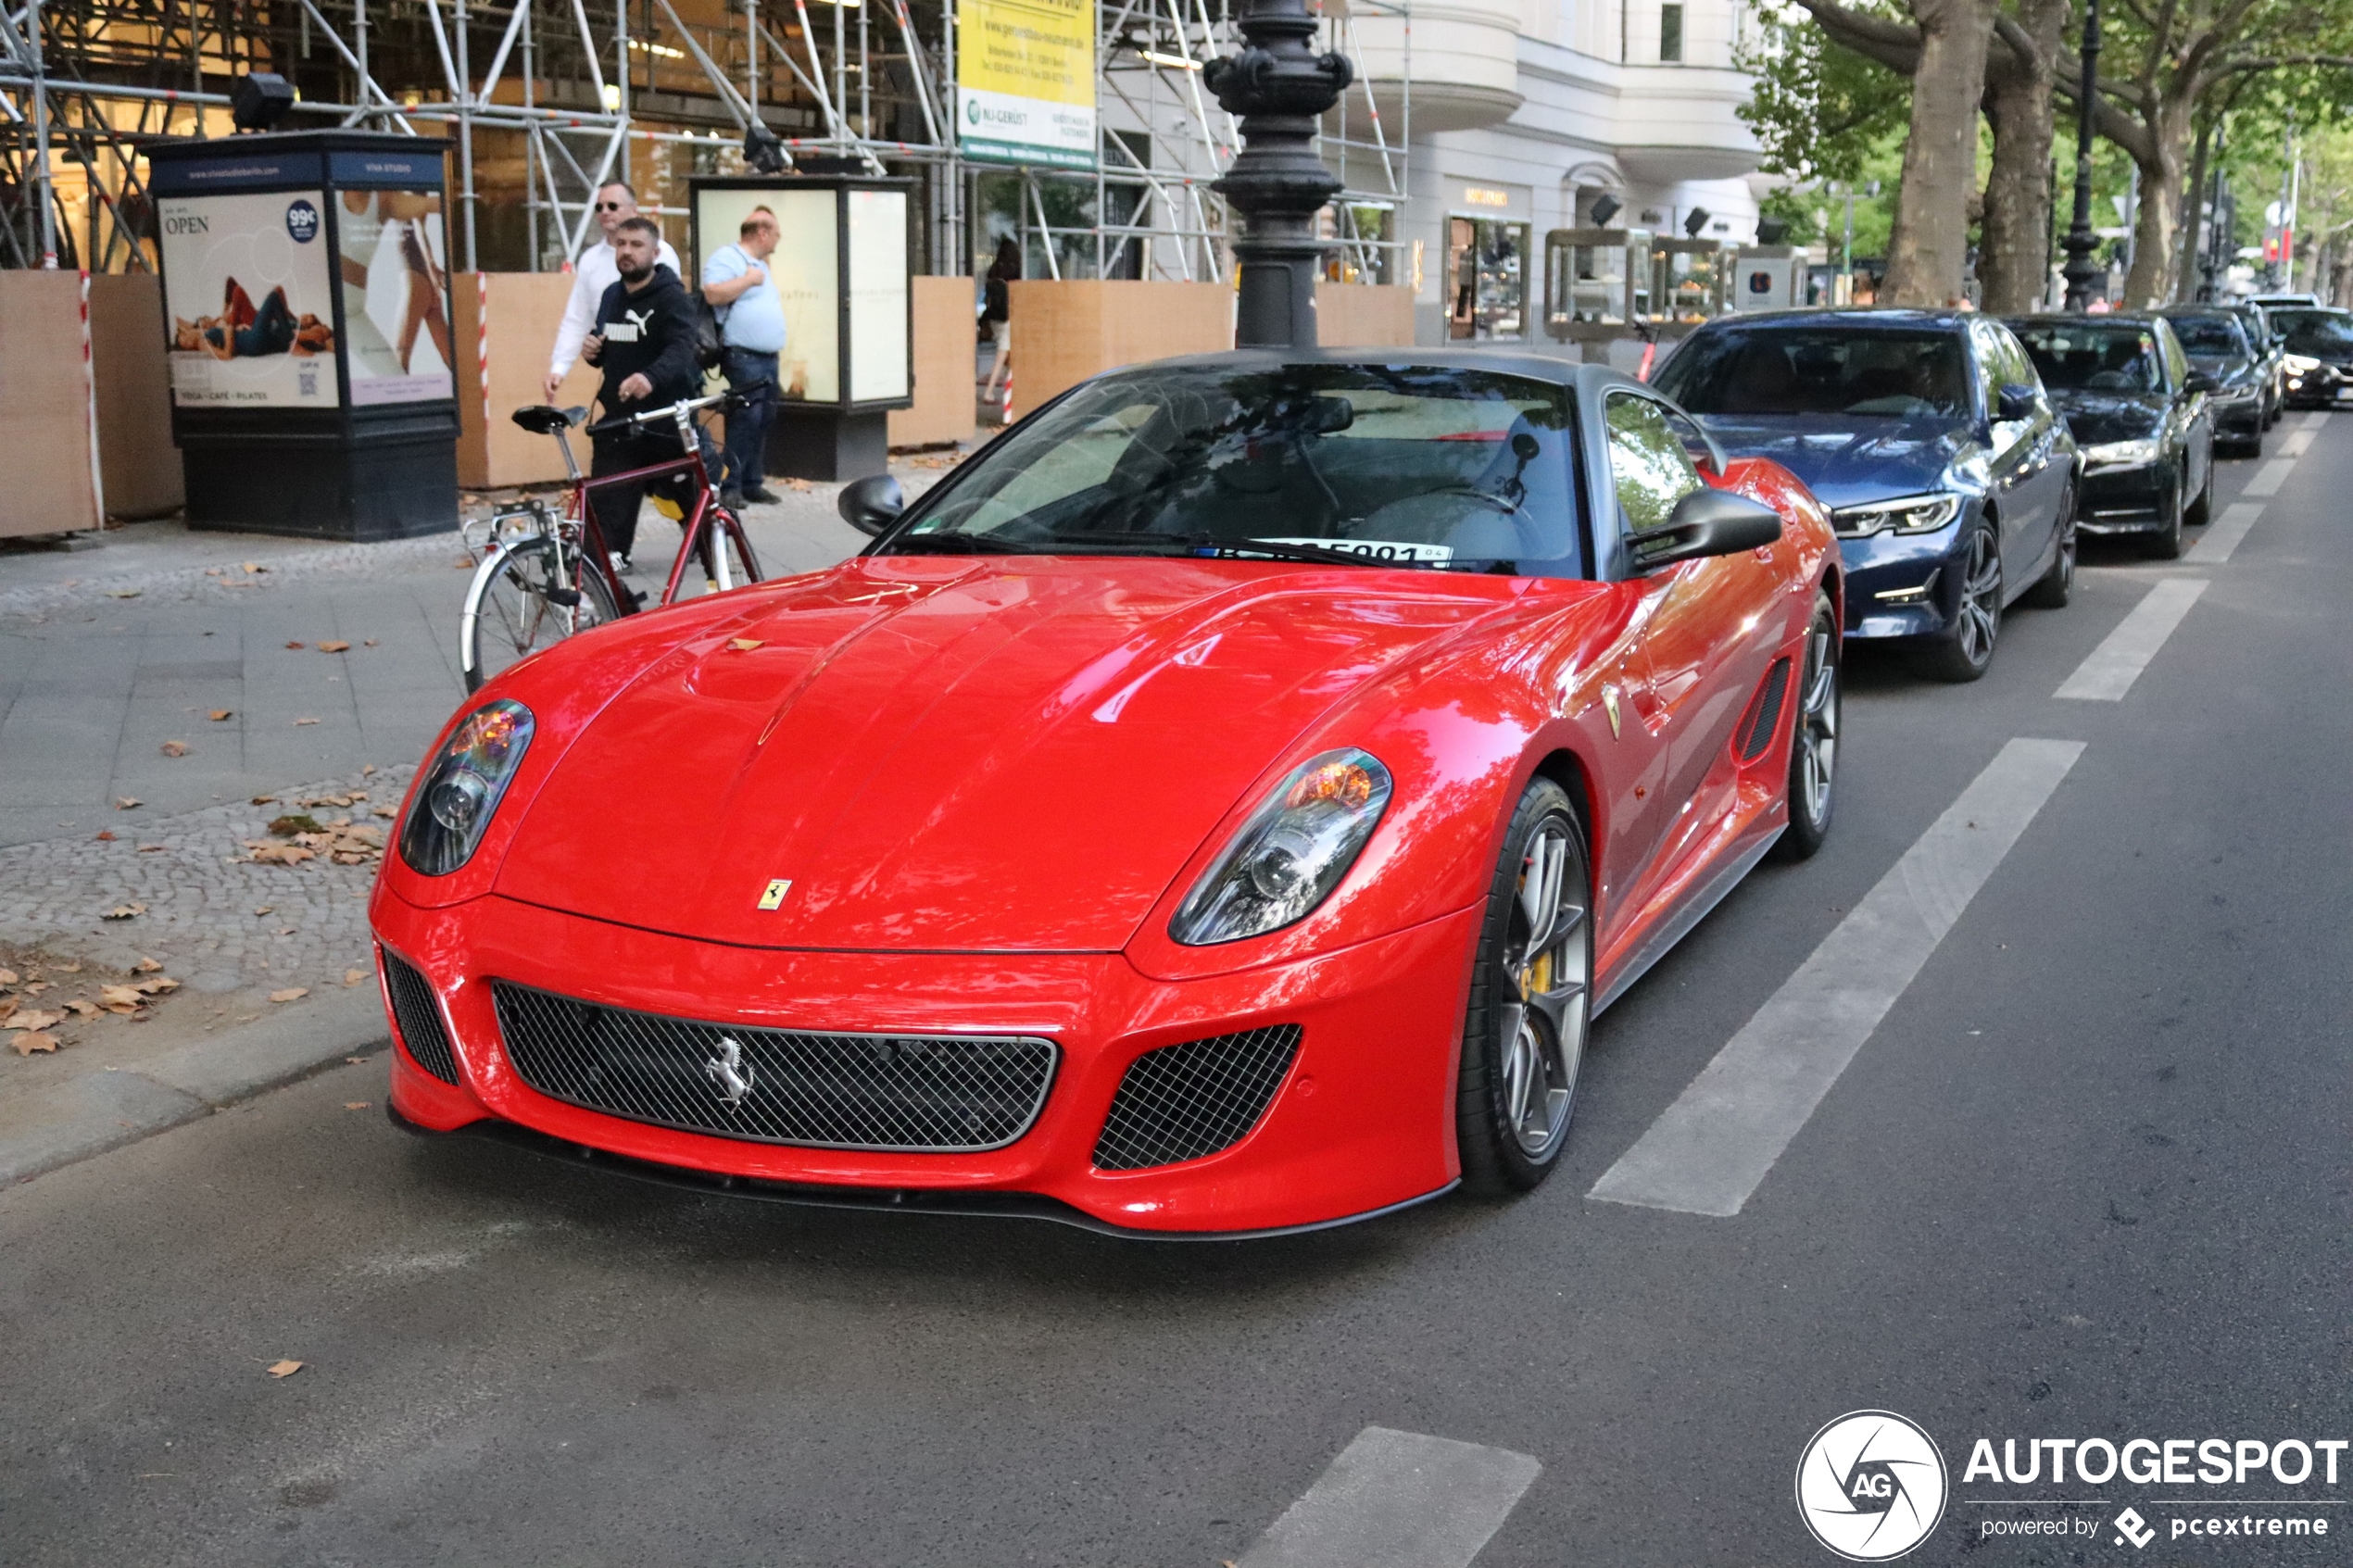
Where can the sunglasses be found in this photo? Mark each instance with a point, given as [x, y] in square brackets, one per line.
[610, 206]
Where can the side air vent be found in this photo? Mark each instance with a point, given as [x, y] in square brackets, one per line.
[1755, 733]
[1181, 1102]
[419, 1018]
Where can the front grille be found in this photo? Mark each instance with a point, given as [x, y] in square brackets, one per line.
[414, 1009]
[928, 1093]
[1181, 1102]
[1764, 713]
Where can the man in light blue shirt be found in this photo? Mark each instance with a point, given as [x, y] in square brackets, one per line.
[751, 335]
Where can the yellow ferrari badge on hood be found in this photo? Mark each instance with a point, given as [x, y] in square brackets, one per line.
[775, 894]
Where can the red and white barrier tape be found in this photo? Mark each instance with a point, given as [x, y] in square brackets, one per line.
[90, 404]
[482, 347]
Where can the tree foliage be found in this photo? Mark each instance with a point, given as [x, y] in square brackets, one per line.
[1820, 111]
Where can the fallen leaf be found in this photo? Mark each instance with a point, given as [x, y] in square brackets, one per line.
[251, 566]
[291, 993]
[8, 1006]
[356, 1060]
[464, 563]
[125, 911]
[282, 854]
[175, 749]
[73, 968]
[120, 999]
[122, 593]
[8, 977]
[292, 824]
[355, 1105]
[744, 644]
[337, 645]
[153, 848]
[263, 800]
[35, 1018]
[293, 645]
[157, 985]
[353, 977]
[284, 1369]
[145, 966]
[219, 714]
[35, 1041]
[128, 803]
[369, 770]
[387, 812]
[369, 644]
[300, 722]
[106, 836]
[798, 484]
[285, 931]
[36, 987]
[82, 1007]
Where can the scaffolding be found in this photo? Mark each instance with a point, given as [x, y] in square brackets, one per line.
[546, 100]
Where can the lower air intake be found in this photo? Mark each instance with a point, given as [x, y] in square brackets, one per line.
[419, 1015]
[896, 1093]
[1181, 1102]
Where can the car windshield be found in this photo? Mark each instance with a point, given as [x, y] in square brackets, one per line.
[2212, 335]
[2315, 331]
[2091, 356]
[1386, 465]
[1874, 374]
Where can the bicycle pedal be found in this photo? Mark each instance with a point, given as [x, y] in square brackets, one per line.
[638, 594]
[568, 598]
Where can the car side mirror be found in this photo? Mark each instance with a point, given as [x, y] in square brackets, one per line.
[2014, 401]
[2200, 380]
[871, 505]
[1707, 523]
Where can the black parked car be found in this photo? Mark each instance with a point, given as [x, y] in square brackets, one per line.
[2217, 344]
[2266, 339]
[1949, 476]
[2320, 354]
[2142, 418]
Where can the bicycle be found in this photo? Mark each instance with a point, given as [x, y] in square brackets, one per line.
[546, 574]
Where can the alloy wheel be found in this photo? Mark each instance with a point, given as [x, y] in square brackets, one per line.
[1545, 963]
[1980, 613]
[1817, 728]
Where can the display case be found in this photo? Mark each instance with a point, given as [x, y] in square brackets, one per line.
[1597, 282]
[841, 271]
[307, 325]
[1765, 278]
[1687, 283]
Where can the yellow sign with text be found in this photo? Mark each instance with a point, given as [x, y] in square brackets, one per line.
[1026, 82]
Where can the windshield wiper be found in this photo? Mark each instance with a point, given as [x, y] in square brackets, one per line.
[1203, 544]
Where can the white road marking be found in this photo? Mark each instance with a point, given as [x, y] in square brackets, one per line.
[2299, 442]
[1397, 1500]
[2109, 671]
[2315, 419]
[1710, 1150]
[2224, 536]
[2270, 477]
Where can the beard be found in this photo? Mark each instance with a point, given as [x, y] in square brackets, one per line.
[639, 275]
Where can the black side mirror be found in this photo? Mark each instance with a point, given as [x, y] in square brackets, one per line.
[1707, 523]
[2200, 380]
[2015, 401]
[871, 504]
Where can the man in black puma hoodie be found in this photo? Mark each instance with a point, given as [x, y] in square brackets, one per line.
[644, 344]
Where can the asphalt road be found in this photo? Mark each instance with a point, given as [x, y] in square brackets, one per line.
[2086, 1178]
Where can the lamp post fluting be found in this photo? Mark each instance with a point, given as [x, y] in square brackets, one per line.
[1278, 86]
[2081, 271]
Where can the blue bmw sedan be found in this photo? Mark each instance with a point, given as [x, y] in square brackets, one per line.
[1950, 477]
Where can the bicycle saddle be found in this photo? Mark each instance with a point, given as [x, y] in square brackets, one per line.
[541, 420]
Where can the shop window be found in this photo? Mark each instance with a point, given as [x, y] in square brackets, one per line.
[1670, 33]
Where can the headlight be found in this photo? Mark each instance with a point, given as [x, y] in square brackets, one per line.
[1909, 514]
[1291, 852]
[2301, 364]
[2120, 454]
[451, 807]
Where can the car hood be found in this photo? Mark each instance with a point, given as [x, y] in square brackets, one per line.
[958, 755]
[1846, 461]
[2230, 370]
[2093, 417]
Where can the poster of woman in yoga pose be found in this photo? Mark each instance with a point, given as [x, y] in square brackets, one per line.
[396, 297]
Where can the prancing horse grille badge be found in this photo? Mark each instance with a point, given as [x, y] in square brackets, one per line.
[729, 1070]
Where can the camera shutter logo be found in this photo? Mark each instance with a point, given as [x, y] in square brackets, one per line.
[302, 221]
[1872, 1486]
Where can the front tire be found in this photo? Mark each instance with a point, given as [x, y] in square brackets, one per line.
[2057, 587]
[1966, 649]
[1531, 999]
[1813, 750]
[2201, 511]
[2166, 543]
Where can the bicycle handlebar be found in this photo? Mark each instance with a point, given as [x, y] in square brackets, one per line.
[670, 413]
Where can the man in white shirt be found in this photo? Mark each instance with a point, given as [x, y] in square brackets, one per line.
[593, 273]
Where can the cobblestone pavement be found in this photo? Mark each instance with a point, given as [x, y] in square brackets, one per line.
[216, 919]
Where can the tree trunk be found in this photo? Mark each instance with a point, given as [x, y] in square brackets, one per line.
[2150, 284]
[2013, 266]
[1928, 249]
[2193, 234]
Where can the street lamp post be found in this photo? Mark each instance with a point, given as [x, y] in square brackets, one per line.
[1279, 87]
[2081, 270]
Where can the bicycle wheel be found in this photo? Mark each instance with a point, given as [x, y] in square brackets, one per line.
[722, 559]
[525, 598]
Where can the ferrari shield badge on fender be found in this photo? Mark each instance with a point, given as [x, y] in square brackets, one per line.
[775, 894]
[1609, 700]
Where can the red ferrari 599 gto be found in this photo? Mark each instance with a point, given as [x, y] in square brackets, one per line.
[1220, 806]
